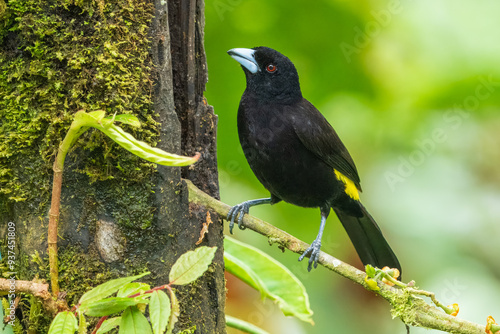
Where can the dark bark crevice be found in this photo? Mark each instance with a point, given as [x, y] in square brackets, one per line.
[203, 305]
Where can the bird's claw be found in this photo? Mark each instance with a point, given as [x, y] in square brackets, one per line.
[237, 211]
[313, 253]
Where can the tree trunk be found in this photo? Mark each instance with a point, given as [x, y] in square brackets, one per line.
[119, 215]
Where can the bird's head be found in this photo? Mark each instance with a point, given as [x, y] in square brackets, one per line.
[269, 74]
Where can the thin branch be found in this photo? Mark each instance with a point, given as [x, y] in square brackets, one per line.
[39, 290]
[432, 296]
[243, 326]
[99, 324]
[411, 309]
[55, 204]
[52, 231]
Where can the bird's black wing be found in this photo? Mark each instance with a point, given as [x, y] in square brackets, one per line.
[319, 137]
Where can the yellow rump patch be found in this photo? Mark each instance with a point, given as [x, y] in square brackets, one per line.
[350, 187]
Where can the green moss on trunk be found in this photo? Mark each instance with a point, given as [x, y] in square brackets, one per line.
[56, 58]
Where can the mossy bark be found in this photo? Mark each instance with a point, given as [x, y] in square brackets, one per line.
[119, 215]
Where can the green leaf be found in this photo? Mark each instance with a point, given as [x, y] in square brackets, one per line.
[98, 115]
[106, 289]
[143, 150]
[109, 324]
[174, 314]
[4, 328]
[135, 288]
[268, 276]
[159, 311]
[134, 322]
[111, 305]
[82, 118]
[238, 268]
[370, 271]
[126, 119]
[64, 323]
[191, 265]
[132, 288]
[1, 308]
[127, 141]
[82, 327]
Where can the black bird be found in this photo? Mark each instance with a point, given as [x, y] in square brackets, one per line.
[297, 155]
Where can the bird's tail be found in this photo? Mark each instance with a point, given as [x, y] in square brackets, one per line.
[368, 239]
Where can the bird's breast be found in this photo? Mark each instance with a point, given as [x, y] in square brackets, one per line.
[279, 159]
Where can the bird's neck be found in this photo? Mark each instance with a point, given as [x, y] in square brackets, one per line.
[285, 96]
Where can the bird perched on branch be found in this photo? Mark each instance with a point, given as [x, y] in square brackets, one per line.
[298, 157]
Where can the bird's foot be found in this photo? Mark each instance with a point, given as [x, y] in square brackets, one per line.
[238, 211]
[313, 253]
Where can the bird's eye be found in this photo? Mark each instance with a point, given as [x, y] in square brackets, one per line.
[271, 68]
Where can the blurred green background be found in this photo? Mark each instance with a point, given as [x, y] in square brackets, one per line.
[413, 90]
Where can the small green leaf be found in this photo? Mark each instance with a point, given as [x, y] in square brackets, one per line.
[268, 276]
[82, 327]
[106, 289]
[159, 311]
[126, 119]
[370, 271]
[175, 312]
[111, 305]
[109, 324]
[191, 265]
[64, 323]
[132, 288]
[134, 322]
